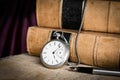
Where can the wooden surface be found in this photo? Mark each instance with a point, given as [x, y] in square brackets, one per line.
[25, 67]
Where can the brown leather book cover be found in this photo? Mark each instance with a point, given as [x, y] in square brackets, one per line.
[96, 15]
[48, 13]
[102, 16]
[114, 17]
[96, 49]
[37, 37]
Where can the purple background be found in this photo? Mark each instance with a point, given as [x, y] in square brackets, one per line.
[15, 18]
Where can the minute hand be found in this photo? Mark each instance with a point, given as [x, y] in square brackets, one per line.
[55, 50]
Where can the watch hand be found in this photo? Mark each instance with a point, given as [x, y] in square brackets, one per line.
[55, 58]
[55, 50]
[59, 47]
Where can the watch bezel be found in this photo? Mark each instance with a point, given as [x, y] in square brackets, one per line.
[60, 64]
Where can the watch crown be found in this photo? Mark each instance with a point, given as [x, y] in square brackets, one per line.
[57, 35]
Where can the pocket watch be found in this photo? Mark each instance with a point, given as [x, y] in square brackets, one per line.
[55, 53]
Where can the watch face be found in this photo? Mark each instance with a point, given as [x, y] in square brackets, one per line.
[54, 54]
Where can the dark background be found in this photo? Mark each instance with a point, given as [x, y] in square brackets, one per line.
[17, 15]
[15, 18]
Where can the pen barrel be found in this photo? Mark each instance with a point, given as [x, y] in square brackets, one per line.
[106, 72]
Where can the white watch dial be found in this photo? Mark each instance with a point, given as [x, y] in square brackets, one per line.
[54, 53]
